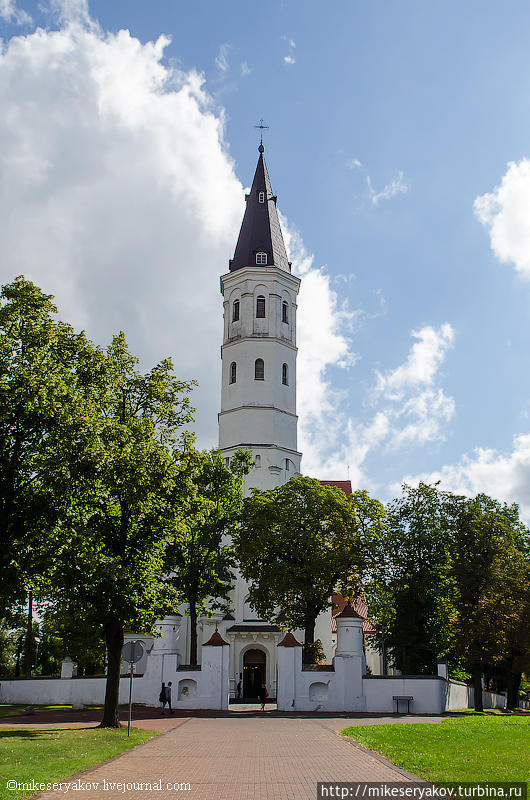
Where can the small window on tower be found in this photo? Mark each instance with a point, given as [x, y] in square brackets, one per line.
[259, 370]
[261, 259]
[260, 307]
[285, 375]
[257, 459]
[235, 311]
[261, 197]
[285, 312]
[227, 462]
[233, 372]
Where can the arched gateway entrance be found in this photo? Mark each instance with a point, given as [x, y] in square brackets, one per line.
[254, 674]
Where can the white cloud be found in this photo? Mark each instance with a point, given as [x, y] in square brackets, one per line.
[422, 363]
[395, 187]
[118, 195]
[245, 69]
[291, 44]
[505, 213]
[505, 476]
[221, 59]
[353, 163]
[10, 12]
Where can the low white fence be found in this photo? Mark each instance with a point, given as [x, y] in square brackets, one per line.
[203, 687]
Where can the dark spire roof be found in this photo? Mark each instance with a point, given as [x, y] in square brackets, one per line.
[260, 231]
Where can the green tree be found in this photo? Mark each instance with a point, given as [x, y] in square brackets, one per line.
[44, 367]
[296, 545]
[200, 556]
[110, 544]
[489, 568]
[408, 587]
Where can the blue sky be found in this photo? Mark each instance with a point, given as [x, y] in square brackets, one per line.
[388, 122]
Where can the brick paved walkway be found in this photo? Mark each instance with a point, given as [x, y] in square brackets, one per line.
[241, 758]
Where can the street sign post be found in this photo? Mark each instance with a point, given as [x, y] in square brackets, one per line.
[132, 652]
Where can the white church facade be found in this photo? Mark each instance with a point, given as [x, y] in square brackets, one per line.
[258, 413]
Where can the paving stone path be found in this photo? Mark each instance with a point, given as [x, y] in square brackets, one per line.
[242, 758]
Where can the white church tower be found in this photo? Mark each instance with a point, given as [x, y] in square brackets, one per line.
[258, 395]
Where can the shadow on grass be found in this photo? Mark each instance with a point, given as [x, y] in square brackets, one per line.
[39, 733]
[488, 712]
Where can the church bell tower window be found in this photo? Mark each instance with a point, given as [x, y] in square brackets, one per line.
[285, 375]
[261, 259]
[259, 370]
[260, 307]
[261, 197]
[235, 311]
[233, 372]
[285, 312]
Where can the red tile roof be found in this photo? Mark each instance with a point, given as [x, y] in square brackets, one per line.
[344, 485]
[215, 640]
[359, 606]
[289, 641]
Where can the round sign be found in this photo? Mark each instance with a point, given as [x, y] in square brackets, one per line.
[132, 652]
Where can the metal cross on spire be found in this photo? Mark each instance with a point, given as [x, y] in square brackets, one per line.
[261, 128]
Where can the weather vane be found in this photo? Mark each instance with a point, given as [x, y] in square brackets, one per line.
[261, 128]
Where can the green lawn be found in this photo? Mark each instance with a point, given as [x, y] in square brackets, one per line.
[470, 747]
[54, 755]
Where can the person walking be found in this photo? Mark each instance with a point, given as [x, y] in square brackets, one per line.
[263, 694]
[162, 698]
[165, 698]
[168, 697]
[238, 690]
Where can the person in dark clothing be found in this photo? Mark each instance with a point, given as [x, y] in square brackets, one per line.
[165, 698]
[168, 696]
[162, 698]
[263, 694]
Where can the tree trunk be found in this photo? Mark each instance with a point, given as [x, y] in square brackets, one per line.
[114, 643]
[477, 686]
[28, 644]
[512, 693]
[193, 633]
[309, 628]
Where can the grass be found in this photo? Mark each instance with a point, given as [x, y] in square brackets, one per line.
[52, 755]
[467, 747]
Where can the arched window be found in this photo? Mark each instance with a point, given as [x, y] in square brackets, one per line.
[285, 312]
[235, 311]
[257, 459]
[260, 307]
[233, 372]
[261, 259]
[285, 375]
[259, 370]
[261, 197]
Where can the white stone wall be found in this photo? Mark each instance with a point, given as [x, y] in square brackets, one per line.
[427, 691]
[460, 695]
[205, 688]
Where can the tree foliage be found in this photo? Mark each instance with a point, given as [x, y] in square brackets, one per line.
[112, 538]
[200, 556]
[408, 590]
[296, 544]
[43, 378]
[491, 587]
